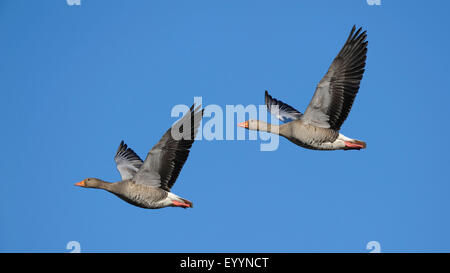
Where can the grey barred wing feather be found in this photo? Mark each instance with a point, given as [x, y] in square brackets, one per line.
[127, 161]
[337, 90]
[281, 110]
[165, 160]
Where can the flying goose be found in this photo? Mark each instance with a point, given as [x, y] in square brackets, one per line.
[318, 128]
[147, 184]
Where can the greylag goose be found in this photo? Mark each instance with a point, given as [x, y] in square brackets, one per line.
[147, 184]
[318, 128]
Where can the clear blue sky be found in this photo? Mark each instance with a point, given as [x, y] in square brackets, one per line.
[76, 80]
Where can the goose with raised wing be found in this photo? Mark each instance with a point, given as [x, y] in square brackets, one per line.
[318, 128]
[147, 184]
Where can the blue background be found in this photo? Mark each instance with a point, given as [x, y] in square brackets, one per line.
[76, 80]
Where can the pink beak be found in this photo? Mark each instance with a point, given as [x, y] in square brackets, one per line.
[243, 124]
[80, 184]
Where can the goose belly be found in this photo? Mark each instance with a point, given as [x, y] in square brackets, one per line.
[314, 138]
[154, 199]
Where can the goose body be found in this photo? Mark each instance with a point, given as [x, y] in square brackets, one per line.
[309, 136]
[147, 184]
[318, 128]
[147, 196]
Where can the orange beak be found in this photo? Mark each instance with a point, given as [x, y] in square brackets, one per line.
[81, 184]
[243, 124]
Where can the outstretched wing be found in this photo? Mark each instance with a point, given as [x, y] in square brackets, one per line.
[166, 159]
[285, 112]
[336, 92]
[127, 161]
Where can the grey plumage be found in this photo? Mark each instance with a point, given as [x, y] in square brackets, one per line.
[285, 112]
[336, 92]
[127, 161]
[318, 128]
[147, 184]
[165, 160]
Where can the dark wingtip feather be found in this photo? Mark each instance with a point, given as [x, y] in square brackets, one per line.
[267, 98]
[351, 33]
[357, 32]
[196, 109]
[120, 147]
[353, 30]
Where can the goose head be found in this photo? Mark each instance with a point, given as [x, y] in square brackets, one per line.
[251, 124]
[254, 124]
[91, 183]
